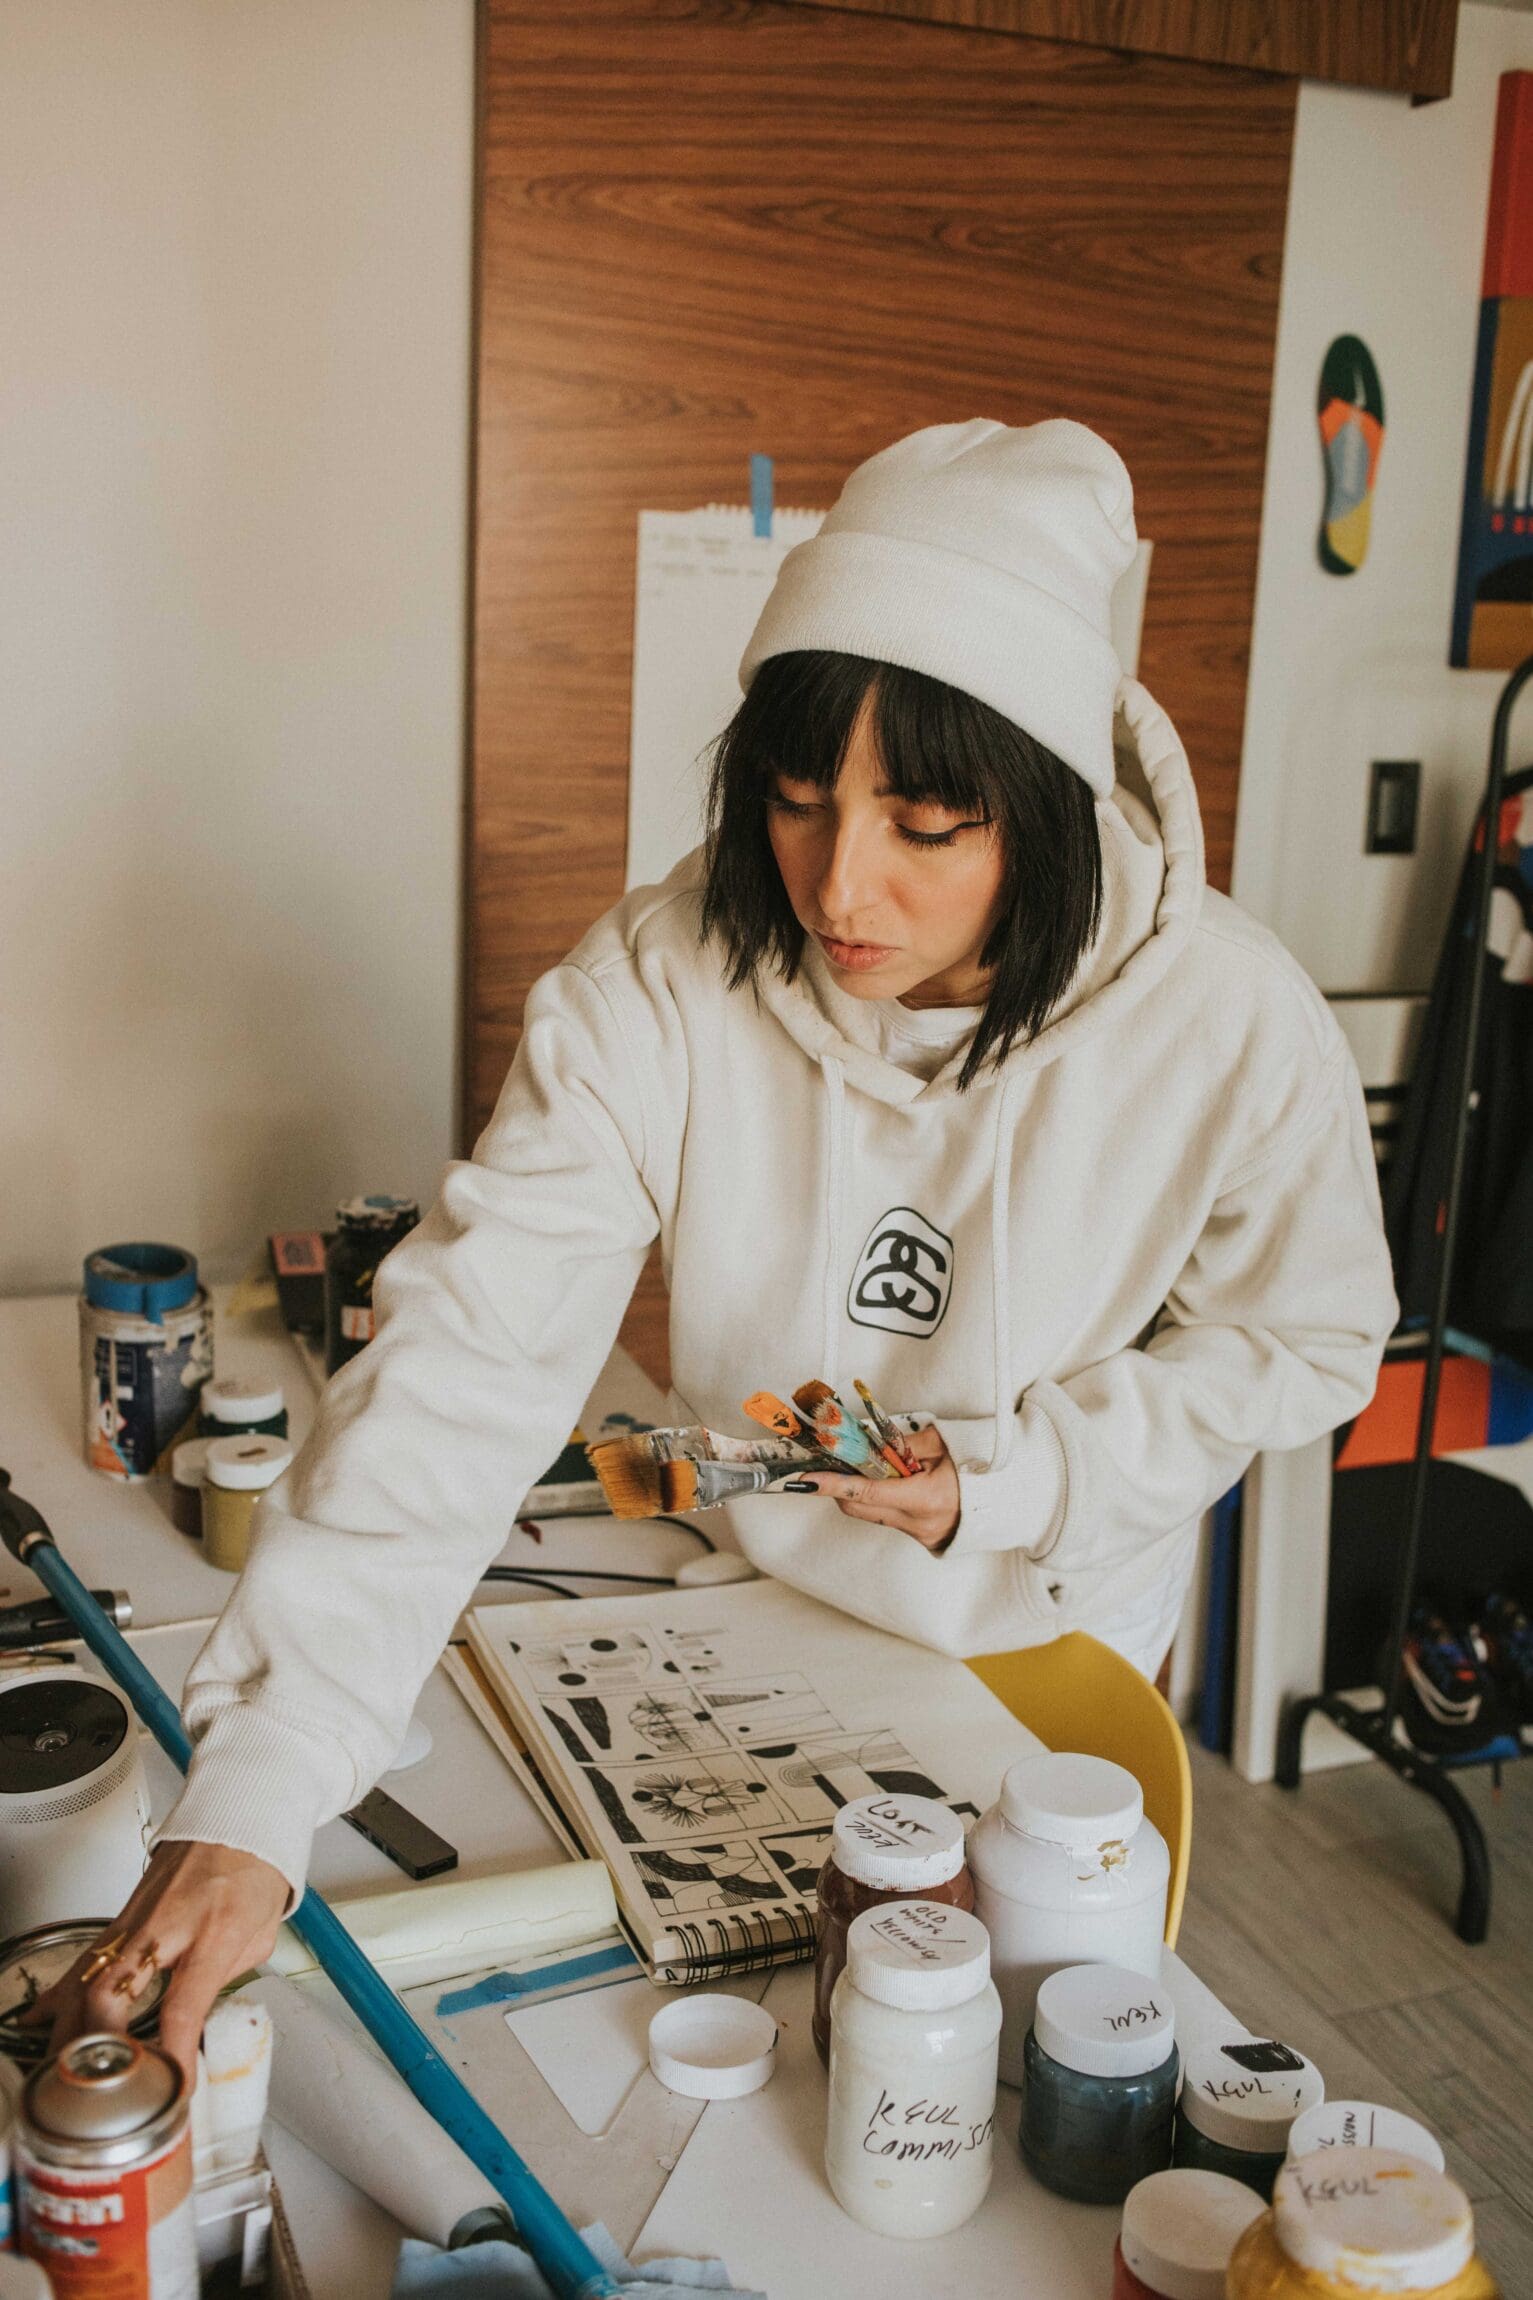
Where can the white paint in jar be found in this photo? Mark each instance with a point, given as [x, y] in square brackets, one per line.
[915, 2020]
[1067, 1871]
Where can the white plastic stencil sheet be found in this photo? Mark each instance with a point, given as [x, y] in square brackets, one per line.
[702, 580]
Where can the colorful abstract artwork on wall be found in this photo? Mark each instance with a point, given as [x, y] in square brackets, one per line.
[1493, 597]
[1351, 412]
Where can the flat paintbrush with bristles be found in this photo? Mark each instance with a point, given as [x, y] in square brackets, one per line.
[642, 1471]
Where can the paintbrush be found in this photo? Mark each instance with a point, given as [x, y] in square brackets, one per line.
[891, 1438]
[704, 1484]
[780, 1419]
[630, 1467]
[840, 1432]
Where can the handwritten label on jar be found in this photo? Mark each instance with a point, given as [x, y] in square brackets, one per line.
[888, 1822]
[922, 2131]
[1133, 2017]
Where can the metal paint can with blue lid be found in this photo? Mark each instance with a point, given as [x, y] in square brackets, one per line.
[146, 1349]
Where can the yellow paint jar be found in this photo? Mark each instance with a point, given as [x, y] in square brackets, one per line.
[238, 1472]
[1346, 2225]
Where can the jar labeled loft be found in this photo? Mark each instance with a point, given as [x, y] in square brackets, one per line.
[1067, 1871]
[1179, 2229]
[882, 1849]
[1239, 2100]
[1099, 2089]
[914, 2023]
[1374, 2221]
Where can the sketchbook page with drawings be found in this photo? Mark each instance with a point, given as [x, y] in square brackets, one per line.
[701, 1743]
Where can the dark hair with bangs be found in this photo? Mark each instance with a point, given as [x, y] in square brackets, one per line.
[936, 745]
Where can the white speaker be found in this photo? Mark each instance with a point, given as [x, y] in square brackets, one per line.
[74, 1815]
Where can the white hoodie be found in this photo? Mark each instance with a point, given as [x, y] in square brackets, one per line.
[1144, 1248]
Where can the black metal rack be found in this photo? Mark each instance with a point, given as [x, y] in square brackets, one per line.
[1375, 1729]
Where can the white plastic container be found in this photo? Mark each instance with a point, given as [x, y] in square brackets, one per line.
[1067, 1871]
[914, 2024]
[1361, 2124]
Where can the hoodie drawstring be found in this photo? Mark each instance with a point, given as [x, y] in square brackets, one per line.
[835, 1169]
[1000, 1279]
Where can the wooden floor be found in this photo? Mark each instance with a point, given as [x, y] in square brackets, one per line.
[1324, 1918]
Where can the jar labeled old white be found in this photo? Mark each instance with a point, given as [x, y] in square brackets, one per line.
[1067, 1871]
[914, 2023]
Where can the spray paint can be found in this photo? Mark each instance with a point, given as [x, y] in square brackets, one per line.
[104, 2173]
[146, 1349]
[74, 1808]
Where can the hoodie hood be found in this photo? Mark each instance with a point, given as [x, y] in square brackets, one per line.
[1152, 885]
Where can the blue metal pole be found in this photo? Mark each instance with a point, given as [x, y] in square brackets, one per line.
[566, 2260]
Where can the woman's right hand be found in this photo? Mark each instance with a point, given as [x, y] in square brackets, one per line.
[204, 1913]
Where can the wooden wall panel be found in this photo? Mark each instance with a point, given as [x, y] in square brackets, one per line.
[1401, 45]
[715, 226]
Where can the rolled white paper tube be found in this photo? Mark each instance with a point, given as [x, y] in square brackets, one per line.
[341, 2099]
[233, 2079]
[458, 1925]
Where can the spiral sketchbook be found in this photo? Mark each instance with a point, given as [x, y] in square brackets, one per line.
[701, 1743]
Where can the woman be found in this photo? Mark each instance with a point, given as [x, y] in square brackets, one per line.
[940, 1066]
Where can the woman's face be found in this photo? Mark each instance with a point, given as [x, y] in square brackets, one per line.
[900, 896]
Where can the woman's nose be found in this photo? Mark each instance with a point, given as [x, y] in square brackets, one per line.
[849, 886]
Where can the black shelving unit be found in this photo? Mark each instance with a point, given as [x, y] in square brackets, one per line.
[1375, 1729]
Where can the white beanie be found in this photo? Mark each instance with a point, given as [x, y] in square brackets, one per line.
[985, 556]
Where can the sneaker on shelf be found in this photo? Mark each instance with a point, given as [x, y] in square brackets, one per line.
[1450, 1704]
[1506, 1631]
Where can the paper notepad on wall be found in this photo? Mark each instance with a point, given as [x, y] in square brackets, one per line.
[703, 578]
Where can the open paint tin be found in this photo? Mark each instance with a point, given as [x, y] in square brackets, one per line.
[31, 1962]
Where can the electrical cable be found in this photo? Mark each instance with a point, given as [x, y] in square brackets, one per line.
[568, 1573]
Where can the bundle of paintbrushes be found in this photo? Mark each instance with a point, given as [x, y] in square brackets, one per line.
[652, 1471]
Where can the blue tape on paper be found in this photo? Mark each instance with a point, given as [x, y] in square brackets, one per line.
[761, 494]
[505, 1988]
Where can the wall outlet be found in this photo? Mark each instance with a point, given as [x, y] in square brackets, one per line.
[1394, 794]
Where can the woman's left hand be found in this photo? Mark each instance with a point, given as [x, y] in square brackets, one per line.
[925, 1506]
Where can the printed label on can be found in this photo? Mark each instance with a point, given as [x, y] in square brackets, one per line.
[123, 2234]
[357, 1322]
[142, 1384]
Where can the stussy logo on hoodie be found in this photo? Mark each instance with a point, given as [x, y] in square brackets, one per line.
[904, 1275]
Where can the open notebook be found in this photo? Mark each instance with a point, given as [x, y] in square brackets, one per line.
[700, 1743]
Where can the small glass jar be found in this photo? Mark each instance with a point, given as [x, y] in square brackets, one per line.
[1067, 1871]
[914, 2024]
[882, 1849]
[1361, 2124]
[188, 1469]
[236, 1408]
[1379, 2222]
[1099, 2087]
[368, 1229]
[239, 1470]
[1179, 2229]
[1240, 2098]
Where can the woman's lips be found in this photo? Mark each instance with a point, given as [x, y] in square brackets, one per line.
[854, 957]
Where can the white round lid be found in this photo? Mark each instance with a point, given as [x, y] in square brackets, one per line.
[713, 2047]
[242, 1401]
[1245, 2091]
[897, 1843]
[246, 1464]
[1377, 2221]
[1179, 2229]
[1104, 2020]
[189, 1461]
[1361, 2124]
[1069, 1800]
[919, 1956]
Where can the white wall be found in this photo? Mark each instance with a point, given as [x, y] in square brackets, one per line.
[1385, 237]
[234, 274]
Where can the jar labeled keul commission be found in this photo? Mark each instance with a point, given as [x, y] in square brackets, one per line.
[914, 2023]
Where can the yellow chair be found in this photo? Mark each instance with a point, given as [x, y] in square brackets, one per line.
[1076, 1693]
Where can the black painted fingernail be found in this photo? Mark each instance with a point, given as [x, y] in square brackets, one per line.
[800, 1485]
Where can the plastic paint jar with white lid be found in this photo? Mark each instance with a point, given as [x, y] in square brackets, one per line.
[1179, 2230]
[233, 1407]
[238, 1472]
[1240, 2097]
[914, 2023]
[1067, 1871]
[1361, 2124]
[1375, 2221]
